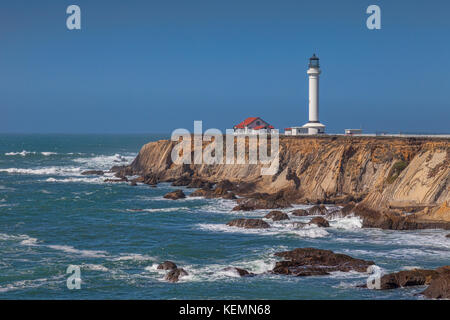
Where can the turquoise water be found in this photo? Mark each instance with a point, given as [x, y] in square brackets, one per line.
[52, 217]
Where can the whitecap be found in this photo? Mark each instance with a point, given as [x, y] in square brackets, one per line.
[48, 153]
[23, 153]
[94, 267]
[134, 257]
[348, 222]
[276, 229]
[105, 161]
[172, 209]
[84, 253]
[44, 171]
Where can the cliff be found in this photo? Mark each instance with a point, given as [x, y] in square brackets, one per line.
[381, 173]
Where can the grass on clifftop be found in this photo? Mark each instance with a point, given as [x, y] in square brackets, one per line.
[396, 169]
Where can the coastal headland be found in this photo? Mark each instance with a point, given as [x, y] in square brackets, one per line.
[390, 182]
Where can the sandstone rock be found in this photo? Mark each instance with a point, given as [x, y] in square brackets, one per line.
[394, 220]
[332, 168]
[210, 194]
[240, 272]
[201, 193]
[249, 223]
[277, 216]
[300, 213]
[175, 274]
[262, 201]
[317, 210]
[407, 278]
[200, 183]
[150, 179]
[93, 172]
[439, 287]
[175, 195]
[319, 221]
[167, 265]
[311, 261]
[229, 196]
[123, 179]
[182, 181]
[226, 185]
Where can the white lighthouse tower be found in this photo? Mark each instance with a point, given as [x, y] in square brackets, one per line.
[313, 126]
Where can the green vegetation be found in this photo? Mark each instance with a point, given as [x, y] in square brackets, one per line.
[396, 169]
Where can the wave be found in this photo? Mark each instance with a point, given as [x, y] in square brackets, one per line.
[348, 223]
[84, 253]
[24, 153]
[94, 267]
[134, 257]
[73, 179]
[276, 229]
[22, 238]
[105, 162]
[61, 171]
[172, 209]
[259, 264]
[34, 283]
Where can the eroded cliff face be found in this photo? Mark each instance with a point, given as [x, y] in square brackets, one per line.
[382, 173]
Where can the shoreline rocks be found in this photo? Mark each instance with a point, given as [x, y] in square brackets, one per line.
[320, 222]
[439, 287]
[239, 271]
[175, 195]
[175, 274]
[317, 210]
[276, 216]
[438, 281]
[300, 213]
[167, 265]
[311, 261]
[406, 278]
[249, 223]
[93, 173]
[262, 201]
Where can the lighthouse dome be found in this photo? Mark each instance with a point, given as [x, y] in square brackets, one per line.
[314, 61]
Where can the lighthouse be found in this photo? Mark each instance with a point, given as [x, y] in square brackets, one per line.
[313, 126]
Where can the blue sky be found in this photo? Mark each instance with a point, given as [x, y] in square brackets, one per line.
[153, 66]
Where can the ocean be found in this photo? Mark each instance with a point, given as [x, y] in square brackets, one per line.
[52, 217]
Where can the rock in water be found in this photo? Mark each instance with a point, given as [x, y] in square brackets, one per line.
[167, 265]
[150, 179]
[277, 216]
[262, 201]
[439, 287]
[92, 172]
[311, 261]
[239, 271]
[448, 236]
[319, 221]
[300, 213]
[249, 223]
[407, 278]
[318, 210]
[175, 274]
[175, 195]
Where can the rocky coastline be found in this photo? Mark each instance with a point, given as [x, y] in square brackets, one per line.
[389, 183]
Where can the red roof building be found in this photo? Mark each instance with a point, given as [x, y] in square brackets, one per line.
[253, 123]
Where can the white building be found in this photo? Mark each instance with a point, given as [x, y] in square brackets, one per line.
[353, 131]
[313, 126]
[253, 125]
